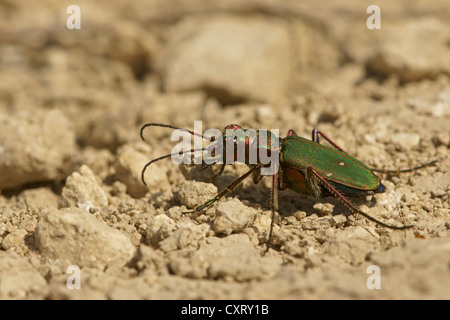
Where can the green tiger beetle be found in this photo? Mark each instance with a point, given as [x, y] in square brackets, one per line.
[305, 166]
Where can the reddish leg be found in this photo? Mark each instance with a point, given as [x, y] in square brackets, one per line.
[348, 204]
[274, 205]
[315, 138]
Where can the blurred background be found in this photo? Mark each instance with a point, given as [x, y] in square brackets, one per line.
[178, 61]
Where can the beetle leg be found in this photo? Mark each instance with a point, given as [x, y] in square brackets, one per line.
[274, 205]
[313, 184]
[291, 133]
[206, 166]
[257, 177]
[281, 184]
[215, 175]
[348, 204]
[218, 174]
[230, 188]
[315, 138]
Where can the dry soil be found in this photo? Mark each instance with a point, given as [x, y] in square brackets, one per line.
[72, 102]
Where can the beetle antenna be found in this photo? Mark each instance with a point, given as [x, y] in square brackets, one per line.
[406, 170]
[172, 127]
[167, 156]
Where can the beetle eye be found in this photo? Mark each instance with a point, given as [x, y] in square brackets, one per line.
[232, 127]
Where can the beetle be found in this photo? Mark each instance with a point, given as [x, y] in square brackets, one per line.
[305, 166]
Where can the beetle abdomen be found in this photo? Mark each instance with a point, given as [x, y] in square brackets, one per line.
[333, 165]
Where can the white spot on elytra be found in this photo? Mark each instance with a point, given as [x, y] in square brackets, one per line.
[341, 163]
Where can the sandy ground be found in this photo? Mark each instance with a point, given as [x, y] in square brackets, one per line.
[76, 221]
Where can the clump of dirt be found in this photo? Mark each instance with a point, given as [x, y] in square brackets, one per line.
[72, 102]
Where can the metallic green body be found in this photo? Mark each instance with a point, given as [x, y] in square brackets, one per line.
[305, 166]
[343, 171]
